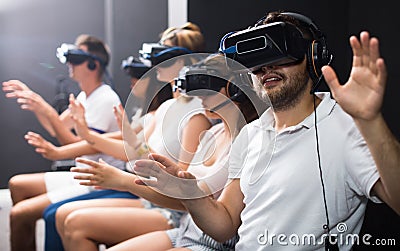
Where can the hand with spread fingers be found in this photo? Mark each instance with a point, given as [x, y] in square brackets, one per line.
[362, 98]
[167, 178]
[100, 175]
[26, 98]
[42, 146]
[77, 112]
[120, 116]
[362, 95]
[128, 133]
[12, 87]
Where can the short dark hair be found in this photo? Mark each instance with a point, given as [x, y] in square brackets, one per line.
[96, 47]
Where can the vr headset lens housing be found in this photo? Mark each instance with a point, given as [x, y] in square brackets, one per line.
[134, 67]
[199, 82]
[270, 44]
[69, 53]
[153, 54]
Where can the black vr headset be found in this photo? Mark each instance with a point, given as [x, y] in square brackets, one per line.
[134, 67]
[153, 54]
[271, 44]
[69, 53]
[278, 43]
[201, 80]
[192, 79]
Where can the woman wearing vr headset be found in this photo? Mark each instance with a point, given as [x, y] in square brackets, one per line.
[31, 193]
[152, 94]
[169, 56]
[303, 169]
[178, 122]
[209, 162]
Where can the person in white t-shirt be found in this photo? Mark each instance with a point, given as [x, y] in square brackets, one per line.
[175, 129]
[224, 101]
[302, 174]
[149, 94]
[32, 193]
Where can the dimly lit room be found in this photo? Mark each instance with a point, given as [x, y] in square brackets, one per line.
[199, 125]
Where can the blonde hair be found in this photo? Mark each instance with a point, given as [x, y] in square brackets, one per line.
[188, 35]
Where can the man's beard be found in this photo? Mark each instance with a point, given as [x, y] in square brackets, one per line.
[288, 94]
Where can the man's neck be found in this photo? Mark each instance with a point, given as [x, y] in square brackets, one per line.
[89, 86]
[296, 114]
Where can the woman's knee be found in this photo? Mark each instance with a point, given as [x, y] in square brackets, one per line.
[60, 216]
[74, 225]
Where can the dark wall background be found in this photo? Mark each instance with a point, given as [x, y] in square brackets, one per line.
[338, 20]
[30, 32]
[134, 22]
